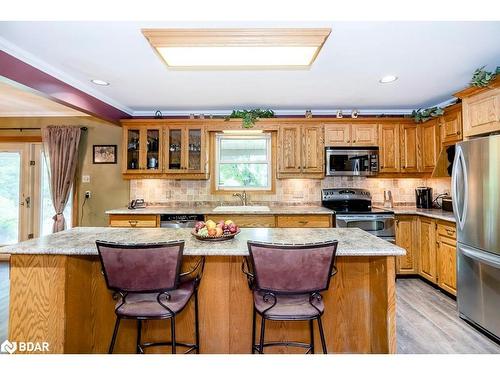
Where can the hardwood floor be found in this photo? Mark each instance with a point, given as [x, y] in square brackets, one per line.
[4, 300]
[428, 322]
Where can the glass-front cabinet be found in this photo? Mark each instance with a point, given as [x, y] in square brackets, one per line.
[143, 149]
[169, 149]
[186, 149]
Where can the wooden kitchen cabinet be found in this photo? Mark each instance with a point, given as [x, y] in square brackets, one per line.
[427, 249]
[428, 145]
[134, 221]
[406, 226]
[142, 149]
[481, 112]
[451, 125]
[185, 149]
[301, 150]
[246, 221]
[304, 221]
[446, 257]
[389, 155]
[337, 135]
[351, 134]
[409, 148]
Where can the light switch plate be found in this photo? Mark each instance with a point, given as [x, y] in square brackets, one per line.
[86, 178]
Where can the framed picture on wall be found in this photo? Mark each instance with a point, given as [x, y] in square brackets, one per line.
[104, 154]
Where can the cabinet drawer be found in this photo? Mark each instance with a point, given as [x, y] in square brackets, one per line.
[445, 230]
[246, 221]
[133, 221]
[304, 221]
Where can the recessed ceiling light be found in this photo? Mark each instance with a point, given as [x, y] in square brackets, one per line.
[100, 82]
[237, 48]
[388, 79]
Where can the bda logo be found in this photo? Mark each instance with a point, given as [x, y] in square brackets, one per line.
[8, 347]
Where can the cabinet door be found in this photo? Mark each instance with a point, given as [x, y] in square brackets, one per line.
[482, 113]
[428, 144]
[427, 248]
[409, 150]
[389, 156]
[312, 149]
[451, 127]
[290, 148]
[154, 153]
[447, 264]
[406, 238]
[195, 152]
[364, 134]
[338, 135]
[175, 145]
[133, 153]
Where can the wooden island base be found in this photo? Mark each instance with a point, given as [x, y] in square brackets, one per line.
[63, 300]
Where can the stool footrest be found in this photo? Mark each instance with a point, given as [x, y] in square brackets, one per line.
[295, 344]
[191, 347]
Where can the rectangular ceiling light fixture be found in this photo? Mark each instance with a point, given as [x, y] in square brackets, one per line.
[237, 48]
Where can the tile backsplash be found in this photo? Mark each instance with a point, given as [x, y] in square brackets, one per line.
[294, 191]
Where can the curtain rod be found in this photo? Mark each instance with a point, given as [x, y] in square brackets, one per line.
[83, 128]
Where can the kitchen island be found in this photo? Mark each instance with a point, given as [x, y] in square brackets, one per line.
[58, 294]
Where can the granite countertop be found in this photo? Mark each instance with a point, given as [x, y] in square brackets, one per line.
[81, 241]
[434, 213]
[204, 210]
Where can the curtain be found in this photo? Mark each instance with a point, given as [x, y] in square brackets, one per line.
[60, 145]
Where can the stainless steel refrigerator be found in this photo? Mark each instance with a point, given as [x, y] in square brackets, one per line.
[476, 204]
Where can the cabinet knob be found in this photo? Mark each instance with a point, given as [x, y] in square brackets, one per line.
[458, 132]
[354, 141]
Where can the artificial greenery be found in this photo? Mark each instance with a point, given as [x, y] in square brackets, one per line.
[251, 116]
[423, 115]
[482, 78]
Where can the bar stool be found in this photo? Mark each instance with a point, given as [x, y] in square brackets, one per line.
[286, 281]
[148, 282]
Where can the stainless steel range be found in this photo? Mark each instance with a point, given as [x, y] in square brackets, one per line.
[353, 208]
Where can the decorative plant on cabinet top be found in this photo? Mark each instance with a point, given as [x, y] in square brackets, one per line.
[250, 116]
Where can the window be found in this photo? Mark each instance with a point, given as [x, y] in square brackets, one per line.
[243, 162]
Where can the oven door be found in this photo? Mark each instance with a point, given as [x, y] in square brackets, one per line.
[378, 225]
[351, 162]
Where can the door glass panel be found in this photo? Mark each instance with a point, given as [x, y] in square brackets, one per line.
[10, 180]
[46, 207]
[194, 159]
[175, 148]
[153, 147]
[133, 148]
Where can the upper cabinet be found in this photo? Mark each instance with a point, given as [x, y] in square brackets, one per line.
[351, 134]
[154, 149]
[451, 125]
[409, 148]
[481, 109]
[300, 150]
[428, 145]
[388, 136]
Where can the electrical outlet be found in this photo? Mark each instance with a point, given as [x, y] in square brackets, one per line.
[86, 179]
[87, 194]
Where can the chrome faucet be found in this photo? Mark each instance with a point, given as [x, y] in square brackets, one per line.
[242, 196]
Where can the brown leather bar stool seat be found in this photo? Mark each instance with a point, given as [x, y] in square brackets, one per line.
[149, 285]
[287, 281]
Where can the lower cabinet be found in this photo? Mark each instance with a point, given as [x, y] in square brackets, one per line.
[430, 246]
[279, 221]
[134, 221]
[246, 221]
[406, 238]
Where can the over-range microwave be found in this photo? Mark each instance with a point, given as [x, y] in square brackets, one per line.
[351, 161]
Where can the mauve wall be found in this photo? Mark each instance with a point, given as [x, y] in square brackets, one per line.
[301, 191]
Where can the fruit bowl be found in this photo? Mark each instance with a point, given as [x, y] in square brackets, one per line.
[224, 237]
[211, 231]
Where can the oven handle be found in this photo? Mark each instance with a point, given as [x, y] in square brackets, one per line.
[349, 219]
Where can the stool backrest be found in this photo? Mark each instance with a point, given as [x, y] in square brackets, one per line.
[141, 268]
[292, 269]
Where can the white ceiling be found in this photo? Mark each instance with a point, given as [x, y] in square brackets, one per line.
[15, 102]
[432, 60]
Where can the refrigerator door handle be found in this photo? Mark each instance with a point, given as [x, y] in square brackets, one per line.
[460, 208]
[480, 256]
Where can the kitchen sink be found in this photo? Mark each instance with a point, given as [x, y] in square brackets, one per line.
[241, 209]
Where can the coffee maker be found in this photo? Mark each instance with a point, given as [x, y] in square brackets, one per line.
[423, 196]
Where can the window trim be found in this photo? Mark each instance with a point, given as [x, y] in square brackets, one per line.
[271, 157]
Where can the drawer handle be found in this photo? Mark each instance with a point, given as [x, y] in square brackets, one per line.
[450, 232]
[133, 222]
[303, 222]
